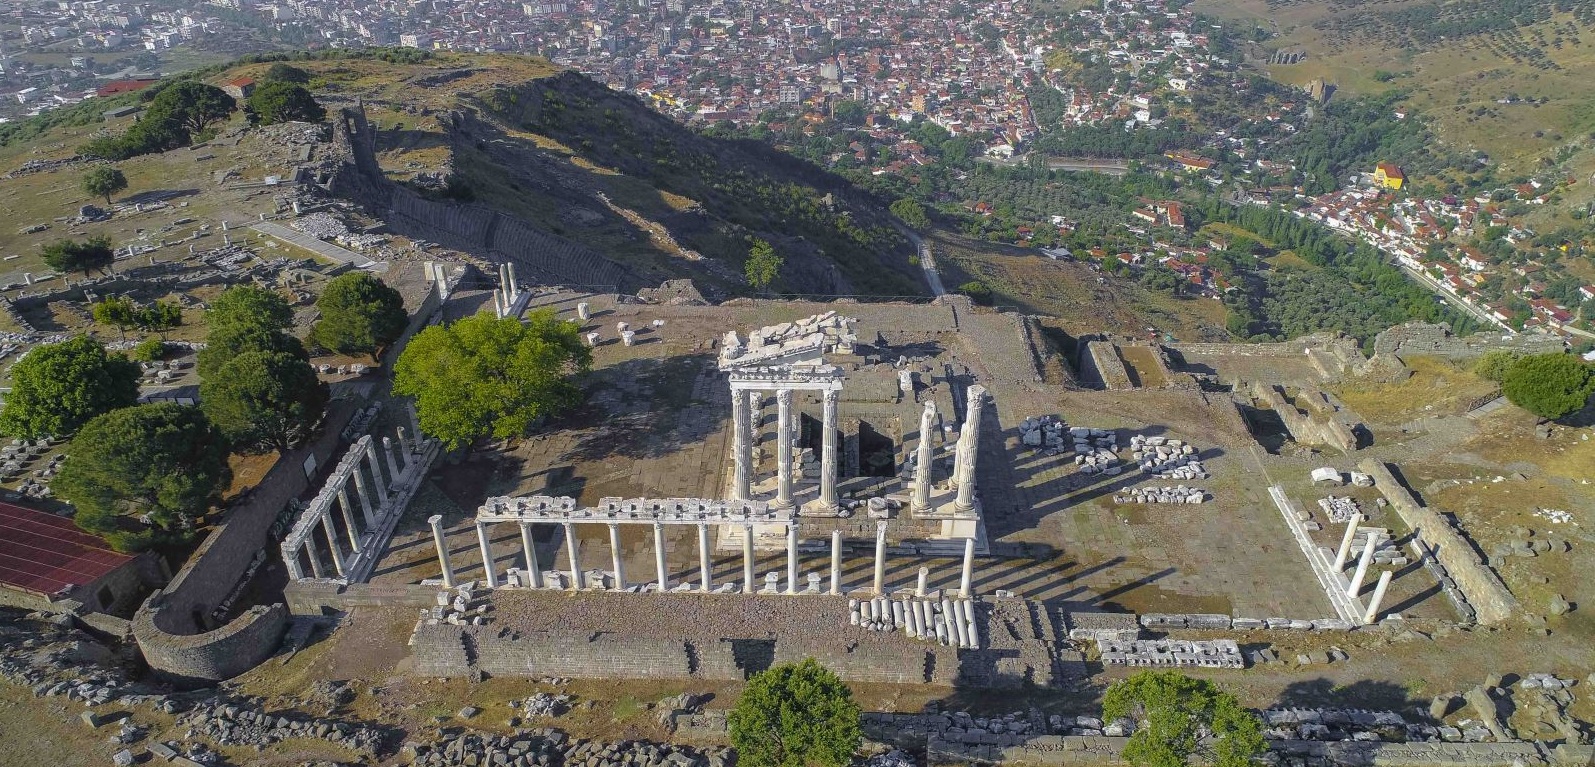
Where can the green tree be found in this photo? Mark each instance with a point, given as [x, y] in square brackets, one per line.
[143, 475]
[159, 315]
[489, 377]
[795, 715]
[264, 400]
[849, 112]
[911, 212]
[1549, 385]
[979, 291]
[359, 313]
[285, 73]
[73, 256]
[251, 306]
[227, 342]
[1494, 364]
[118, 311]
[104, 181]
[191, 105]
[1172, 712]
[58, 387]
[279, 102]
[763, 265]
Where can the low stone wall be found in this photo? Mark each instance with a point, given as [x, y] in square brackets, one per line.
[1100, 363]
[1049, 750]
[1424, 339]
[447, 650]
[1483, 588]
[1303, 428]
[320, 597]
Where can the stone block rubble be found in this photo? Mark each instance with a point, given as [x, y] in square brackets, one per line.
[1167, 458]
[1168, 653]
[1048, 433]
[1359, 725]
[1175, 494]
[243, 724]
[1096, 451]
[1219, 622]
[950, 622]
[1340, 509]
[542, 705]
[460, 607]
[547, 747]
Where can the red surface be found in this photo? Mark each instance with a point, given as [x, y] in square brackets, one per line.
[44, 553]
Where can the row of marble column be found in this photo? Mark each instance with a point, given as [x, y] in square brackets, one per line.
[746, 406]
[1363, 562]
[371, 504]
[662, 575]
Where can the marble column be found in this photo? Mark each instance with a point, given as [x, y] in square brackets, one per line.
[442, 544]
[966, 580]
[828, 449]
[923, 586]
[348, 522]
[662, 573]
[315, 557]
[1378, 596]
[393, 465]
[925, 458]
[969, 449]
[783, 447]
[741, 447]
[343, 500]
[486, 545]
[791, 558]
[747, 559]
[1345, 542]
[703, 557]
[332, 544]
[376, 471]
[295, 570]
[534, 571]
[836, 562]
[615, 556]
[364, 491]
[573, 547]
[880, 558]
[1362, 566]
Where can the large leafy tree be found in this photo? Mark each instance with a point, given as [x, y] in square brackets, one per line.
[264, 400]
[1177, 718]
[278, 102]
[795, 715]
[56, 388]
[191, 105]
[104, 181]
[359, 313]
[142, 475]
[249, 305]
[491, 377]
[1549, 385]
[73, 256]
[227, 342]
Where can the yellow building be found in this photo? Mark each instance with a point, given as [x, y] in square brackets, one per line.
[1389, 175]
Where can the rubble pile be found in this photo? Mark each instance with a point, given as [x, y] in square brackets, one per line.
[1167, 458]
[547, 747]
[1046, 433]
[460, 607]
[543, 705]
[1168, 653]
[1096, 451]
[1176, 494]
[242, 724]
[1356, 725]
[1340, 509]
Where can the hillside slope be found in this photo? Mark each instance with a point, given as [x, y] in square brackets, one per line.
[563, 156]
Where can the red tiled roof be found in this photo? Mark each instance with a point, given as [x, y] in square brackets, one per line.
[44, 553]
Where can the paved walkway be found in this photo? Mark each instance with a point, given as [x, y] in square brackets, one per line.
[320, 248]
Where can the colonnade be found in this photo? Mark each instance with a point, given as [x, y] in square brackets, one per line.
[746, 407]
[661, 581]
[1364, 560]
[301, 543]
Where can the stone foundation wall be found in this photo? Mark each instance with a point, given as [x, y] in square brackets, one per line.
[316, 598]
[1060, 750]
[1419, 338]
[198, 659]
[447, 650]
[1482, 587]
[1100, 363]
